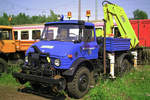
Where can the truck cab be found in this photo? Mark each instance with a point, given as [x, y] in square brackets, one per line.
[7, 46]
[7, 42]
[70, 41]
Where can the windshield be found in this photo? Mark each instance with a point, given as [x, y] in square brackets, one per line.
[5, 34]
[61, 32]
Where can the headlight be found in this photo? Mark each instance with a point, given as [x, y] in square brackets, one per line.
[26, 59]
[57, 62]
[48, 59]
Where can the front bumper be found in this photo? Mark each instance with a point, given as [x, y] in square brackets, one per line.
[40, 79]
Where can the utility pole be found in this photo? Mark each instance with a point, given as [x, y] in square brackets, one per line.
[104, 49]
[79, 10]
[96, 5]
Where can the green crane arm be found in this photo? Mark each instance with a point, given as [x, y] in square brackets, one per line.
[113, 11]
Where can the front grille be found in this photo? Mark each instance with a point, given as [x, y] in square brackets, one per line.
[38, 65]
[38, 61]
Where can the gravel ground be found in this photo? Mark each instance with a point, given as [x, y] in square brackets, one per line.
[10, 93]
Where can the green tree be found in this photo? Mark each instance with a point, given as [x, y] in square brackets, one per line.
[52, 17]
[139, 14]
[22, 18]
[4, 19]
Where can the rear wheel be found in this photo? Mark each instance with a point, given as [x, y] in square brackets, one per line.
[3, 66]
[124, 67]
[80, 83]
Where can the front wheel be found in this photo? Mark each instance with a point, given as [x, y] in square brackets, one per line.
[80, 83]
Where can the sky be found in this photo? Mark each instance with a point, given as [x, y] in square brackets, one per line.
[43, 7]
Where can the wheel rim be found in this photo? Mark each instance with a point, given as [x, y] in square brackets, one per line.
[1, 68]
[83, 82]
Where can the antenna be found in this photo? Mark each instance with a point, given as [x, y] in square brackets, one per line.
[96, 5]
[79, 10]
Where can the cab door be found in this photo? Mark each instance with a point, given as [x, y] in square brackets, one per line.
[90, 46]
[7, 42]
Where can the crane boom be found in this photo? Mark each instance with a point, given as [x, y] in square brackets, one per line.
[113, 11]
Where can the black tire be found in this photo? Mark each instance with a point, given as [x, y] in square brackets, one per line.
[3, 66]
[79, 85]
[124, 67]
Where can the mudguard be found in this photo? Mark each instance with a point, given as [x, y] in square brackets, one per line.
[75, 66]
[124, 55]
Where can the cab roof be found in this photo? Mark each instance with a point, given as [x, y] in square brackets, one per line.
[5, 27]
[75, 22]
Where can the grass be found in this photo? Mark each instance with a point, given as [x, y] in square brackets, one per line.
[6, 79]
[134, 85]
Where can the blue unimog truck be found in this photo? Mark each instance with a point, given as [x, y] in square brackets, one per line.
[70, 58]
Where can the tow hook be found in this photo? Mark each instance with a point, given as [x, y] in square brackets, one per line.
[62, 83]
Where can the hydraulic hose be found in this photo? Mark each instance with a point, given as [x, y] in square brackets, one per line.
[107, 2]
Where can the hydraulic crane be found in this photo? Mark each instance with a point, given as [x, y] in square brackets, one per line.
[114, 12]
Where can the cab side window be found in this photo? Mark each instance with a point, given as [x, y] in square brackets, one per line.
[88, 34]
[5, 34]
